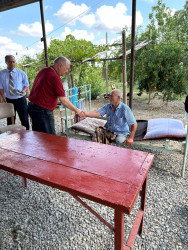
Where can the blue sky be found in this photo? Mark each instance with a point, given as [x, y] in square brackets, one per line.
[20, 28]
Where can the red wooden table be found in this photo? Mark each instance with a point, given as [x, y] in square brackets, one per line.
[109, 175]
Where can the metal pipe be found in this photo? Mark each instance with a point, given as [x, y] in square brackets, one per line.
[43, 39]
[132, 52]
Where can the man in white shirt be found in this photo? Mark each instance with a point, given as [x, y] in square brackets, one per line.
[13, 87]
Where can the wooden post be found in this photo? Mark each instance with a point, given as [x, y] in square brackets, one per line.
[43, 39]
[71, 76]
[106, 75]
[124, 65]
[132, 52]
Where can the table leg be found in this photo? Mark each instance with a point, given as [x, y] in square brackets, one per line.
[24, 182]
[142, 205]
[185, 154]
[119, 230]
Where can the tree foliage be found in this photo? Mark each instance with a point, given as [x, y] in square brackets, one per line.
[163, 72]
[161, 67]
[31, 66]
[93, 76]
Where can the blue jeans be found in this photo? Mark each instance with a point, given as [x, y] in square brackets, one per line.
[121, 138]
[42, 119]
[20, 106]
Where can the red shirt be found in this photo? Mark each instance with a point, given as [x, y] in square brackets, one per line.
[46, 89]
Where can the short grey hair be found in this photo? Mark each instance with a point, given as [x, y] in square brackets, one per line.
[7, 56]
[61, 60]
[117, 92]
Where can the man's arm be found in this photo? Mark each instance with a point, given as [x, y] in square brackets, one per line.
[70, 106]
[129, 141]
[2, 95]
[25, 89]
[92, 114]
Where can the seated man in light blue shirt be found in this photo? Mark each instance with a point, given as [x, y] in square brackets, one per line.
[119, 118]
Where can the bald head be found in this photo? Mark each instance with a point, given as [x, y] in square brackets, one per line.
[61, 60]
[115, 97]
[117, 92]
[61, 65]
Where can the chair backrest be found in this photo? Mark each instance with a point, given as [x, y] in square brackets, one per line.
[6, 110]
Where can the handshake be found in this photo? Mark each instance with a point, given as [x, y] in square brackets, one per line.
[92, 114]
[82, 113]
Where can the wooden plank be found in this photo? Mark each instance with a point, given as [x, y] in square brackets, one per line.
[109, 175]
[120, 164]
[81, 183]
[134, 230]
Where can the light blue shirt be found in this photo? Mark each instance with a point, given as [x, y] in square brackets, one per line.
[118, 122]
[19, 79]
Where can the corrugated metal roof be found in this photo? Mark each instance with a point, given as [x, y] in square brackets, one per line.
[10, 4]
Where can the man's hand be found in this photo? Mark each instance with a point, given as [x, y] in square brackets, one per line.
[4, 99]
[2, 96]
[129, 142]
[81, 113]
[86, 113]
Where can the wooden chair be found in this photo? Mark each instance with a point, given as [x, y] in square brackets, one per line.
[6, 111]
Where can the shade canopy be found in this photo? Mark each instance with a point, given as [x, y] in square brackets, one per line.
[10, 4]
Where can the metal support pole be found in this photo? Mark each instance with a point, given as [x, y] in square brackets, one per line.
[106, 68]
[132, 52]
[124, 67]
[43, 39]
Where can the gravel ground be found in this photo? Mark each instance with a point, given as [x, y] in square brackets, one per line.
[39, 217]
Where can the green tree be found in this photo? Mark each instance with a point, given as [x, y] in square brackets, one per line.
[162, 66]
[160, 69]
[30, 66]
[76, 51]
[93, 76]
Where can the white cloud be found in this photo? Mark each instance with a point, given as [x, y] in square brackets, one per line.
[7, 46]
[119, 38]
[33, 29]
[65, 33]
[48, 7]
[78, 34]
[83, 34]
[139, 18]
[171, 12]
[88, 20]
[69, 11]
[106, 18]
[101, 41]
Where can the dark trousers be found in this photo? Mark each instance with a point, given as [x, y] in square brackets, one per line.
[42, 119]
[20, 106]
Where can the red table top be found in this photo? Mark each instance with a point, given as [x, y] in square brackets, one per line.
[110, 175]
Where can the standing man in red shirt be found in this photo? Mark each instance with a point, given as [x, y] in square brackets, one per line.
[46, 90]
